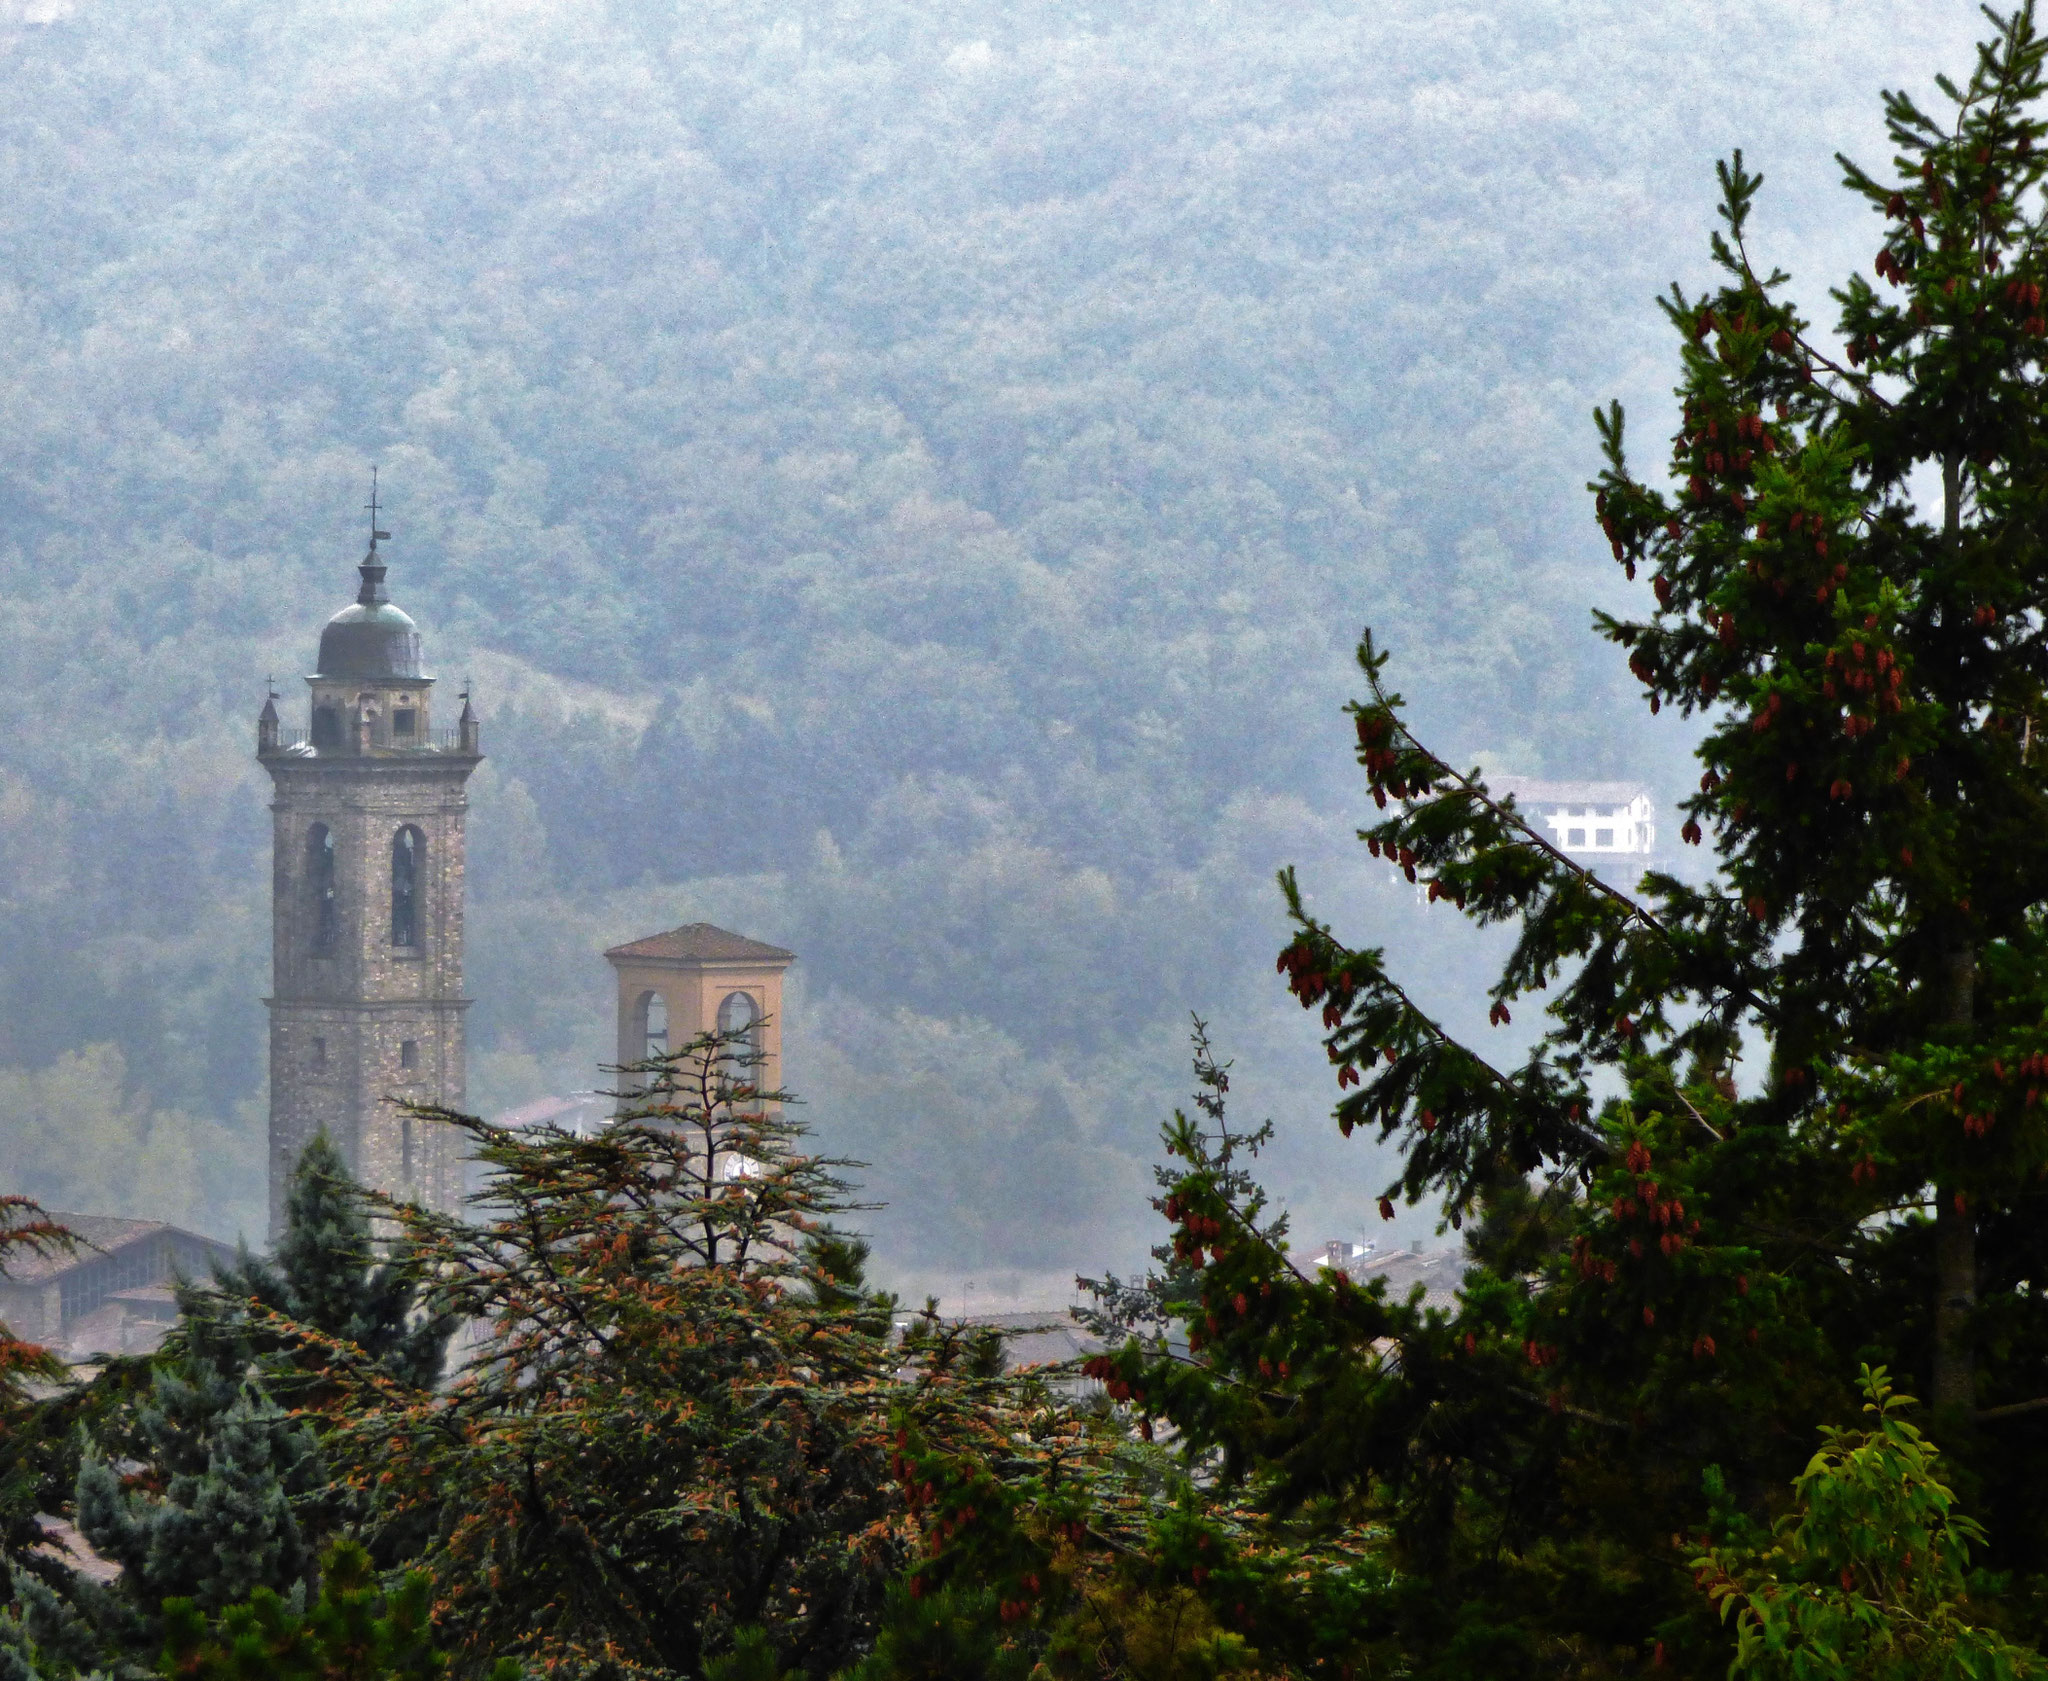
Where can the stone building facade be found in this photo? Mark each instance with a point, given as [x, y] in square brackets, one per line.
[368, 836]
[113, 1294]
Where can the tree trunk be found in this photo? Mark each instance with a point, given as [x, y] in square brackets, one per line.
[1955, 1228]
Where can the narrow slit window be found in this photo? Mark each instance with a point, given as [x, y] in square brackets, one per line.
[405, 1146]
[320, 885]
[319, 1053]
[409, 1054]
[408, 854]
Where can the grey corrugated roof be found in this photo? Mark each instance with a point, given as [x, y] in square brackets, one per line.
[102, 1231]
[700, 942]
[97, 1234]
[1440, 1272]
[1038, 1337]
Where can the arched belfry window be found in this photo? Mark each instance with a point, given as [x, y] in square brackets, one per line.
[653, 1025]
[320, 887]
[408, 870]
[738, 1014]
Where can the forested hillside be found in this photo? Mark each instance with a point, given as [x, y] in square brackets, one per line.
[906, 483]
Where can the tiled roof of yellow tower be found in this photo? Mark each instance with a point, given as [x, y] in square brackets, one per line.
[700, 942]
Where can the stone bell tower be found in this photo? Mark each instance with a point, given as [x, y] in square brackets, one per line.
[366, 1010]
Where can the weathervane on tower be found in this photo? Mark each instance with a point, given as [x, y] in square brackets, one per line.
[375, 534]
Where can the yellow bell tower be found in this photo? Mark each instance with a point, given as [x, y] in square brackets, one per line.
[693, 980]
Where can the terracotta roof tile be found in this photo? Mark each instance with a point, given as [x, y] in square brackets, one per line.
[700, 942]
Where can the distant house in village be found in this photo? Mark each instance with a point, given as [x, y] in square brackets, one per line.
[112, 1295]
[1040, 1336]
[1586, 819]
[1338, 1253]
[1035, 1337]
[1440, 1272]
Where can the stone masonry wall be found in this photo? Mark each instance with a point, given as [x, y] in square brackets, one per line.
[340, 1022]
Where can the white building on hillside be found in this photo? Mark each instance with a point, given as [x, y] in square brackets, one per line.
[1586, 819]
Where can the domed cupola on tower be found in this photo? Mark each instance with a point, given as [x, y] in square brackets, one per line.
[371, 693]
[369, 822]
[373, 638]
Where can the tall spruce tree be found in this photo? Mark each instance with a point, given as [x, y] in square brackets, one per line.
[330, 1275]
[222, 1523]
[1829, 1146]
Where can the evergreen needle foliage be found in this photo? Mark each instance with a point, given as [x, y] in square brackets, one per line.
[25, 1232]
[328, 1274]
[672, 1422]
[222, 1523]
[355, 1631]
[186, 1469]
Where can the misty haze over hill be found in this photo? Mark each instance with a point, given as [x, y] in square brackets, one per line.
[906, 483]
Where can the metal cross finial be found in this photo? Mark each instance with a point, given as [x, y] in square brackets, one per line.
[375, 534]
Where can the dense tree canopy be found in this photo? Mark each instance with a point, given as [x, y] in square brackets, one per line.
[671, 1421]
[1772, 1145]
